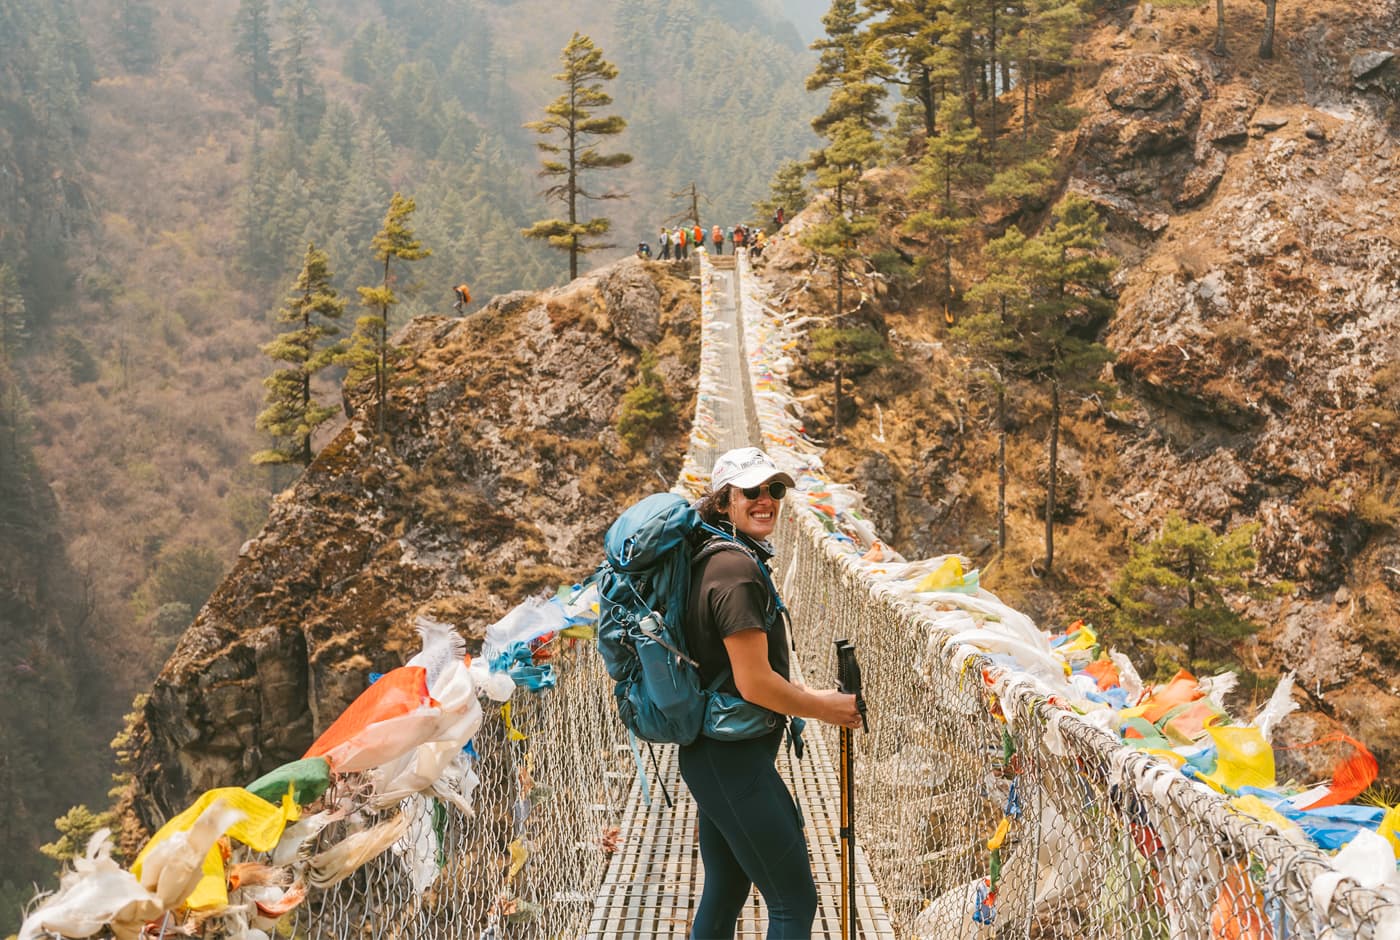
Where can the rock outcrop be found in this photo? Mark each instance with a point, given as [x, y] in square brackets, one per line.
[499, 473]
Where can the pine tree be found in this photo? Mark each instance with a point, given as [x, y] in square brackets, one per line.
[1065, 272]
[303, 99]
[788, 191]
[253, 47]
[571, 116]
[1173, 592]
[949, 164]
[851, 69]
[291, 412]
[369, 352]
[848, 350]
[75, 828]
[12, 314]
[997, 301]
[136, 36]
[910, 33]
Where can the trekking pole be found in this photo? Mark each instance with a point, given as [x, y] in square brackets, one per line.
[848, 681]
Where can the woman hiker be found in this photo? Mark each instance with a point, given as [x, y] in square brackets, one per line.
[750, 828]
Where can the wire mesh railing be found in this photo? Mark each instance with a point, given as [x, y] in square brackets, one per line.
[987, 807]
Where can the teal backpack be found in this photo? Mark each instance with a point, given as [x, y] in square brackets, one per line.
[643, 585]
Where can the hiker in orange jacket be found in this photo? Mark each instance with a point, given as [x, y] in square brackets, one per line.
[464, 297]
[682, 238]
[717, 239]
[699, 235]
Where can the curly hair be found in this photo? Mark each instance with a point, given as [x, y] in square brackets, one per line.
[713, 505]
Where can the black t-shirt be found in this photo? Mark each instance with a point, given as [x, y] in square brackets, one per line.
[729, 594]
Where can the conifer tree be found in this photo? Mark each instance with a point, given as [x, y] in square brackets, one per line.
[788, 191]
[847, 349]
[571, 133]
[910, 33]
[851, 70]
[136, 36]
[996, 301]
[253, 47]
[291, 411]
[1065, 273]
[949, 164]
[12, 314]
[369, 352]
[303, 99]
[1173, 593]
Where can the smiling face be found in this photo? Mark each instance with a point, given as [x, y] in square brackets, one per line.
[753, 517]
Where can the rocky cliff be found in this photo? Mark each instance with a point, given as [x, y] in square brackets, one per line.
[499, 473]
[1253, 207]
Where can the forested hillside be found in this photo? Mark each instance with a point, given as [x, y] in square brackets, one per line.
[163, 167]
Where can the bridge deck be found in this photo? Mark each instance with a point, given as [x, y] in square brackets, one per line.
[655, 878]
[654, 881]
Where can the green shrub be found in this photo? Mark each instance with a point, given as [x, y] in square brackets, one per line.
[646, 409]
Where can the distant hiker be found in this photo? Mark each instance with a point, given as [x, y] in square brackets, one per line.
[464, 297]
[644, 251]
[699, 235]
[759, 240]
[717, 239]
[665, 241]
[682, 249]
[778, 217]
[739, 238]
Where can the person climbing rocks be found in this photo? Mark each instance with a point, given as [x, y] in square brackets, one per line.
[464, 297]
[644, 251]
[717, 239]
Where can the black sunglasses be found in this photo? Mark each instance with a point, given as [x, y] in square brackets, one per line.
[776, 489]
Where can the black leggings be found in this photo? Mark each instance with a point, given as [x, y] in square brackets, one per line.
[750, 834]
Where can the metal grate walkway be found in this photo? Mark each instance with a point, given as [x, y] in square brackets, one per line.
[655, 878]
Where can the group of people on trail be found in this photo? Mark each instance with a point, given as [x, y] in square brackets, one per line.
[675, 244]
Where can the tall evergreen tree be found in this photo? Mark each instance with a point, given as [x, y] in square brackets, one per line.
[12, 319]
[291, 412]
[851, 70]
[1173, 590]
[949, 164]
[303, 99]
[996, 300]
[136, 36]
[369, 352]
[1065, 272]
[571, 117]
[253, 28]
[910, 34]
[848, 350]
[788, 191]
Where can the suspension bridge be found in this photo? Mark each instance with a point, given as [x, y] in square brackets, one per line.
[988, 807]
[1096, 839]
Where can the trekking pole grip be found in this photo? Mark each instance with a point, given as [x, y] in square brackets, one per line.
[848, 677]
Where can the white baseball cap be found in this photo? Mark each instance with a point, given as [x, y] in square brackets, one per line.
[744, 467]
